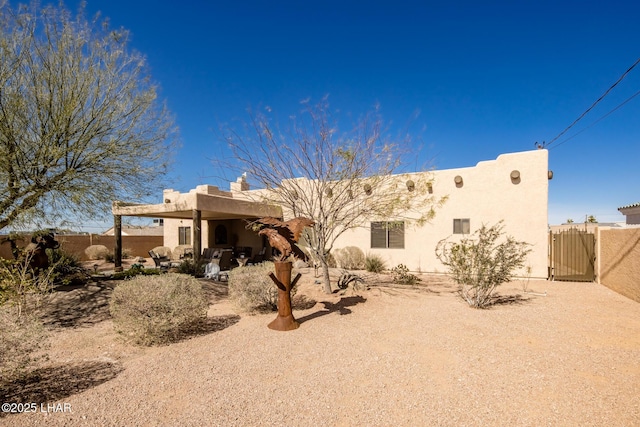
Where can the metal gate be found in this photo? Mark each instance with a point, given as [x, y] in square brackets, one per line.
[572, 255]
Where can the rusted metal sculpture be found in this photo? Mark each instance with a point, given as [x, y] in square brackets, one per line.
[283, 236]
[36, 252]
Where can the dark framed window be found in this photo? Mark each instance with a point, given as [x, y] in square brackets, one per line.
[184, 235]
[387, 234]
[461, 226]
[221, 235]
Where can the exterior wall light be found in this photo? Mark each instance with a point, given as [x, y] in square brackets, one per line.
[167, 201]
[550, 174]
[411, 185]
[515, 176]
[430, 188]
[367, 189]
[458, 181]
[328, 192]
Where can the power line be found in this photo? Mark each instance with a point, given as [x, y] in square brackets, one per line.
[594, 104]
[601, 118]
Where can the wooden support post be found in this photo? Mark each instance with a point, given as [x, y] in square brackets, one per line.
[197, 235]
[117, 250]
[285, 320]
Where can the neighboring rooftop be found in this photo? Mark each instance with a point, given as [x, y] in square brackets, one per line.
[138, 230]
[631, 212]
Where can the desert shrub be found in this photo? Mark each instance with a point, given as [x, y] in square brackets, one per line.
[23, 340]
[350, 258]
[402, 276]
[482, 262]
[21, 287]
[66, 267]
[347, 278]
[180, 250]
[153, 310]
[162, 251]
[374, 263]
[95, 252]
[331, 260]
[136, 270]
[189, 266]
[252, 290]
[111, 257]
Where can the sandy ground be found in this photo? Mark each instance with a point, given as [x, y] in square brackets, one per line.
[383, 356]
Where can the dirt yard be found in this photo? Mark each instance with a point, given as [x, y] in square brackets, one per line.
[383, 356]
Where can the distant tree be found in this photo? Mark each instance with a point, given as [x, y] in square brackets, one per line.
[80, 123]
[569, 221]
[340, 180]
[592, 219]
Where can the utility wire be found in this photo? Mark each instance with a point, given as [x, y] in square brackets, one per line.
[601, 118]
[594, 104]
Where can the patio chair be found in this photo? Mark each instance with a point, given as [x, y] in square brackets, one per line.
[207, 254]
[258, 258]
[161, 262]
[225, 261]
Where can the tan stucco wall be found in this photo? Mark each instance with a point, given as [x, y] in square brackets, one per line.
[619, 261]
[487, 196]
[77, 243]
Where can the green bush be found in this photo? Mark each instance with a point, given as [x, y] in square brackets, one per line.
[480, 263]
[252, 290]
[402, 276]
[22, 339]
[374, 263]
[136, 270]
[154, 310]
[189, 266]
[350, 258]
[66, 267]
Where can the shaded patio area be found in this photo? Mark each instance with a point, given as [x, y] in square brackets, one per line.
[222, 214]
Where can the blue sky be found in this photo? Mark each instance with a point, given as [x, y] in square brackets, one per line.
[470, 80]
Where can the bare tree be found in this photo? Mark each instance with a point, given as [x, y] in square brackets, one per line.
[340, 180]
[80, 123]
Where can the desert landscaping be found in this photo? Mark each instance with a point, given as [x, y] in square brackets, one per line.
[561, 354]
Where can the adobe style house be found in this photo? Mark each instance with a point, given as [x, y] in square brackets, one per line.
[512, 188]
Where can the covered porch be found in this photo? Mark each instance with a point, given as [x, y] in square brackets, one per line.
[205, 217]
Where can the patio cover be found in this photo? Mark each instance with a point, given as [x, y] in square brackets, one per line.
[203, 203]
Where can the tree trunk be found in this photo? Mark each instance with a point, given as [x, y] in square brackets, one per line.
[285, 320]
[325, 277]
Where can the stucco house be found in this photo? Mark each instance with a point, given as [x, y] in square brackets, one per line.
[512, 188]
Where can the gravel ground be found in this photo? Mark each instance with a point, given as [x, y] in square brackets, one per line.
[385, 356]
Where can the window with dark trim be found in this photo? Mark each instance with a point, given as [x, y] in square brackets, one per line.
[184, 235]
[387, 234]
[221, 235]
[461, 226]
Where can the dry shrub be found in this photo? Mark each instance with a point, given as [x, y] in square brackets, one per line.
[21, 287]
[374, 263]
[155, 310]
[350, 258]
[179, 251]
[402, 276]
[95, 252]
[252, 290]
[21, 339]
[162, 251]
